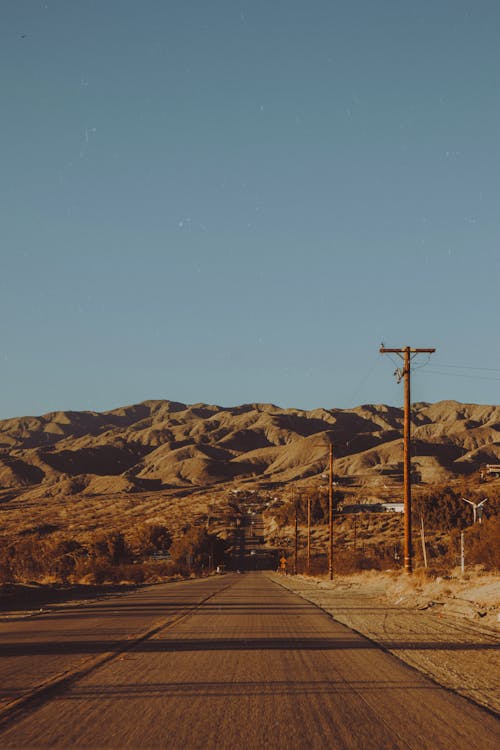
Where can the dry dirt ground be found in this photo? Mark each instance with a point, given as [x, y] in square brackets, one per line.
[447, 628]
[26, 600]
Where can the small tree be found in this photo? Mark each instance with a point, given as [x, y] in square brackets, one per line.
[62, 557]
[110, 547]
[483, 542]
[199, 545]
[150, 537]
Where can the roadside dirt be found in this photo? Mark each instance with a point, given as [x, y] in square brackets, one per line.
[20, 601]
[446, 628]
[17, 600]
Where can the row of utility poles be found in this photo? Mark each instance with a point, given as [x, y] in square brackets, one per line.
[296, 555]
[330, 527]
[407, 354]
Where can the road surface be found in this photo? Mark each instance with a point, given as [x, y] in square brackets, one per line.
[232, 662]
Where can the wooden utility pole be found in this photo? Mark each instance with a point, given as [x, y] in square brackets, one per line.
[422, 533]
[462, 553]
[405, 354]
[309, 535]
[330, 517]
[295, 558]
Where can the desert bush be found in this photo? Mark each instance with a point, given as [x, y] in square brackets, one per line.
[147, 538]
[351, 561]
[99, 571]
[481, 544]
[105, 558]
[25, 560]
[110, 547]
[62, 556]
[443, 508]
[34, 557]
[194, 549]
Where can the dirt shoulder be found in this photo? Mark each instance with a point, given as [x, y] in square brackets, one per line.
[18, 600]
[447, 629]
[21, 600]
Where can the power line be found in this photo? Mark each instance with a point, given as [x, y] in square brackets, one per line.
[461, 375]
[424, 364]
[365, 378]
[469, 367]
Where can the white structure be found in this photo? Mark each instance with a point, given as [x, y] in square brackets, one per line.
[477, 508]
[394, 507]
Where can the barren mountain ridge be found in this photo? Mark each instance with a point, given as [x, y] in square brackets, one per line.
[165, 445]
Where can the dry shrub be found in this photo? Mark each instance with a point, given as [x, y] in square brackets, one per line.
[106, 557]
[349, 561]
[482, 544]
[147, 538]
[442, 507]
[196, 549]
[110, 547]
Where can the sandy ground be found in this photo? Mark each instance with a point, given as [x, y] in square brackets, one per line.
[447, 628]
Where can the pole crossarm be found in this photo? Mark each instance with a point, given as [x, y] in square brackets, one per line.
[384, 350]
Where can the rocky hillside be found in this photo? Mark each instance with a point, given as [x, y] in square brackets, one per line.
[165, 445]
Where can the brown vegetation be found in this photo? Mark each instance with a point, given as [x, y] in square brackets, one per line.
[370, 540]
[84, 494]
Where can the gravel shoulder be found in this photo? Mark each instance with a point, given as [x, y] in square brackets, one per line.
[444, 628]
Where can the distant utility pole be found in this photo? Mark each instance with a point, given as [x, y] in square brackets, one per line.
[295, 558]
[406, 355]
[309, 535]
[462, 553]
[330, 517]
[422, 534]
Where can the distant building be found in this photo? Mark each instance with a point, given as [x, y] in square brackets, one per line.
[393, 507]
[373, 508]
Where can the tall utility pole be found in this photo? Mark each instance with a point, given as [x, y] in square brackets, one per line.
[309, 535]
[405, 354]
[330, 517]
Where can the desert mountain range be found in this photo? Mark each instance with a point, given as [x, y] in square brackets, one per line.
[166, 445]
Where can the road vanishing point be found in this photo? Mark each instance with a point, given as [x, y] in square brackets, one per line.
[230, 662]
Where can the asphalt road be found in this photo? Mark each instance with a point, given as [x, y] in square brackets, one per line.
[228, 662]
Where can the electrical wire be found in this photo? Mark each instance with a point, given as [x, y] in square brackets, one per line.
[424, 364]
[461, 375]
[469, 367]
[395, 362]
[365, 377]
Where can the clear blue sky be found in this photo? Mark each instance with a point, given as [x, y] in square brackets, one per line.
[238, 200]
